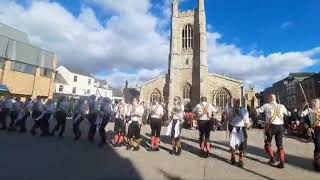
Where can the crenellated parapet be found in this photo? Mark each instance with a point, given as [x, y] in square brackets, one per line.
[188, 13]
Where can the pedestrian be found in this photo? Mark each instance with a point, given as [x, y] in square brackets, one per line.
[119, 125]
[105, 116]
[238, 121]
[175, 126]
[49, 110]
[204, 112]
[37, 114]
[14, 113]
[61, 116]
[92, 117]
[5, 111]
[314, 114]
[135, 123]
[26, 112]
[79, 115]
[156, 114]
[274, 113]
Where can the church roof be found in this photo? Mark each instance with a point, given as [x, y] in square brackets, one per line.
[153, 79]
[226, 78]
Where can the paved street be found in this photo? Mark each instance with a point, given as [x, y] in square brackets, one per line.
[27, 157]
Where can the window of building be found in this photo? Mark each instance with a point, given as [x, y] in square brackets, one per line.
[2, 62]
[75, 78]
[187, 62]
[24, 68]
[45, 72]
[89, 81]
[60, 88]
[223, 99]
[187, 37]
[155, 95]
[187, 91]
[74, 90]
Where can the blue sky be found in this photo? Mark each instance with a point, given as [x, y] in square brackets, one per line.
[263, 36]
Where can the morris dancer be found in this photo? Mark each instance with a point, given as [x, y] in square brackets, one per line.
[238, 119]
[135, 123]
[78, 117]
[204, 113]
[174, 128]
[61, 116]
[156, 115]
[37, 114]
[314, 114]
[5, 111]
[119, 125]
[26, 112]
[92, 117]
[15, 111]
[105, 116]
[49, 110]
[274, 127]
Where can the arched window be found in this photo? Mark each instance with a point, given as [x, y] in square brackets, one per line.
[187, 91]
[187, 37]
[187, 62]
[155, 95]
[223, 99]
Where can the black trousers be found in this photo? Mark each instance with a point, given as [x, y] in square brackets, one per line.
[37, 123]
[104, 123]
[134, 130]
[3, 117]
[243, 146]
[204, 127]
[277, 131]
[13, 117]
[61, 118]
[92, 129]
[44, 124]
[316, 141]
[119, 126]
[76, 125]
[22, 122]
[155, 125]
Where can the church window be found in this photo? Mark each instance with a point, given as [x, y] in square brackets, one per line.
[223, 99]
[187, 91]
[187, 62]
[187, 37]
[155, 95]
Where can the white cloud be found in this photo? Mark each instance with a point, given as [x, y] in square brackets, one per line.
[286, 25]
[133, 44]
[258, 69]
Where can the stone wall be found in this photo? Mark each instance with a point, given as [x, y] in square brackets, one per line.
[216, 82]
[147, 88]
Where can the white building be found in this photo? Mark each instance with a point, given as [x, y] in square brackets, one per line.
[76, 83]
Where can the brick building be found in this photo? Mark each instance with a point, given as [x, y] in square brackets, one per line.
[25, 69]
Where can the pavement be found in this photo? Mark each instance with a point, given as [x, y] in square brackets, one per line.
[23, 156]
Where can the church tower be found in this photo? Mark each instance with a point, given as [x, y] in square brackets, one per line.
[188, 63]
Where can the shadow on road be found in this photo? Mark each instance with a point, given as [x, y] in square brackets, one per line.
[27, 157]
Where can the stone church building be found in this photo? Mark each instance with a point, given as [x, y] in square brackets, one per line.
[188, 75]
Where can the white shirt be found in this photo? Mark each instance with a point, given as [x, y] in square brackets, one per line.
[314, 115]
[199, 110]
[137, 114]
[238, 120]
[270, 109]
[179, 116]
[29, 106]
[38, 106]
[7, 104]
[49, 108]
[157, 111]
[121, 111]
